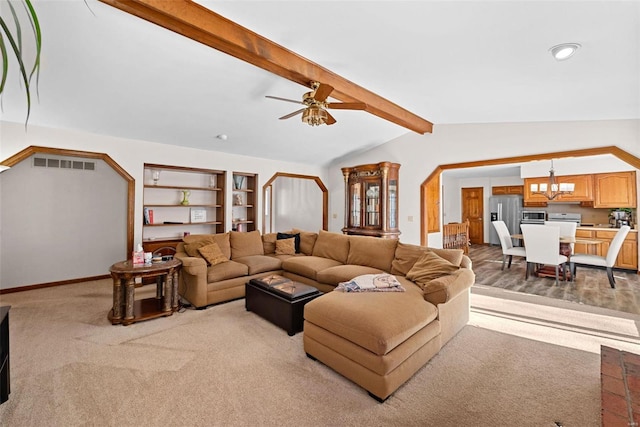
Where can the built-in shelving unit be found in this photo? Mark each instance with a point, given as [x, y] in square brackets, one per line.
[244, 201]
[179, 200]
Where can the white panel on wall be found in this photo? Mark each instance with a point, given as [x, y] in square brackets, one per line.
[60, 223]
[297, 203]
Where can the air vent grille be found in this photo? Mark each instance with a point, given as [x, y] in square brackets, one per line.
[43, 162]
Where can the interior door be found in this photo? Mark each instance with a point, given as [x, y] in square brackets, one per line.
[472, 210]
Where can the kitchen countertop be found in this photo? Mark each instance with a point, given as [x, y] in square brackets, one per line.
[598, 228]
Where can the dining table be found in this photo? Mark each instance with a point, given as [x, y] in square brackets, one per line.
[564, 248]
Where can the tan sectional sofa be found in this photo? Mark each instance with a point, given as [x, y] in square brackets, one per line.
[376, 339]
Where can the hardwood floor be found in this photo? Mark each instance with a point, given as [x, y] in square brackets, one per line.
[590, 287]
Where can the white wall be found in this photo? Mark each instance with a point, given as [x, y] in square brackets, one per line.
[131, 156]
[60, 223]
[421, 154]
[297, 203]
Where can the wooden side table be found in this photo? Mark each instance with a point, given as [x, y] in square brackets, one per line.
[126, 309]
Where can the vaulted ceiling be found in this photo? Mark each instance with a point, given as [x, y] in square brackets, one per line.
[107, 72]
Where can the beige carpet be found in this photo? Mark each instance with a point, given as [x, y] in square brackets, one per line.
[226, 366]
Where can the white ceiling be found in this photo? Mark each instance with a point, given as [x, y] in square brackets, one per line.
[107, 72]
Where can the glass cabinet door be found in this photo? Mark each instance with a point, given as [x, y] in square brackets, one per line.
[393, 203]
[354, 215]
[372, 204]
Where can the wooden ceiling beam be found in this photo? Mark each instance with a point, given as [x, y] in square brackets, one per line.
[205, 26]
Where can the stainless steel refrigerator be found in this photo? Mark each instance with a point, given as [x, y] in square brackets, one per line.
[507, 209]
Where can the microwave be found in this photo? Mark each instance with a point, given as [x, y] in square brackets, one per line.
[534, 216]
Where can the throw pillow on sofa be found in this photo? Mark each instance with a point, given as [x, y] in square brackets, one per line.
[307, 240]
[213, 254]
[286, 246]
[195, 241]
[429, 267]
[296, 236]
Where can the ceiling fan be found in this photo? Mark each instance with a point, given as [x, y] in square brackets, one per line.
[315, 111]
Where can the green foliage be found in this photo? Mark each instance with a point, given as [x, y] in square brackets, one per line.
[14, 38]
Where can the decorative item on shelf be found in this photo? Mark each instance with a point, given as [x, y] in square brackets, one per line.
[237, 200]
[553, 189]
[212, 181]
[156, 176]
[238, 182]
[198, 215]
[185, 197]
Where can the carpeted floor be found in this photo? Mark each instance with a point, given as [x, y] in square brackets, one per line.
[226, 366]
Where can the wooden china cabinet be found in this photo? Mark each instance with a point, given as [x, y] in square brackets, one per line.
[371, 200]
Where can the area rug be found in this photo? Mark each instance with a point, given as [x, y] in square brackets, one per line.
[226, 366]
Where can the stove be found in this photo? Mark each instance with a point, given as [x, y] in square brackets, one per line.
[565, 217]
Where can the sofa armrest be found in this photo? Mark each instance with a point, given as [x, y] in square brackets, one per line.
[466, 262]
[445, 288]
[193, 279]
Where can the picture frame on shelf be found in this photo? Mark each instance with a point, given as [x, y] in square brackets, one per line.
[198, 215]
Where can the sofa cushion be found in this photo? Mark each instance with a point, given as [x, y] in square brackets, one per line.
[260, 263]
[221, 239]
[269, 243]
[445, 288]
[286, 246]
[245, 243]
[212, 254]
[332, 245]
[226, 270]
[372, 251]
[295, 236]
[308, 266]
[344, 273]
[428, 267]
[406, 255]
[356, 317]
[307, 240]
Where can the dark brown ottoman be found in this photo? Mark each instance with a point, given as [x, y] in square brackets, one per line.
[280, 301]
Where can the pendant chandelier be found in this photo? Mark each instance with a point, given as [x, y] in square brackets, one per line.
[553, 189]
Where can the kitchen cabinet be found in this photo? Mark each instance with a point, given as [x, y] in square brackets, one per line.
[501, 190]
[179, 200]
[628, 255]
[371, 205]
[615, 190]
[583, 190]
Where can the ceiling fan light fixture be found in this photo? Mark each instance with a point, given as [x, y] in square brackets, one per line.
[564, 51]
[314, 116]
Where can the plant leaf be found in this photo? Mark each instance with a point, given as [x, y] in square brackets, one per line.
[23, 71]
[5, 62]
[35, 26]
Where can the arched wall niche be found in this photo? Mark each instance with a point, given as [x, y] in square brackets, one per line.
[430, 222]
[270, 199]
[128, 183]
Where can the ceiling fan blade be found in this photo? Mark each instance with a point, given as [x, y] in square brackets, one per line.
[330, 119]
[295, 113]
[284, 99]
[322, 92]
[347, 105]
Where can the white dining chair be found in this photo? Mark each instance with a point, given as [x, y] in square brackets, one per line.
[508, 250]
[602, 261]
[542, 244]
[567, 229]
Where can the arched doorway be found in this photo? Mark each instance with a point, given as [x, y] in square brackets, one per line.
[430, 203]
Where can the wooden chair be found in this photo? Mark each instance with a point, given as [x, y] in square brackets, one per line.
[455, 235]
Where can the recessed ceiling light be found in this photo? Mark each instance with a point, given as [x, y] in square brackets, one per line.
[564, 51]
[222, 136]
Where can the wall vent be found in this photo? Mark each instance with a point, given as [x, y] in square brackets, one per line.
[63, 164]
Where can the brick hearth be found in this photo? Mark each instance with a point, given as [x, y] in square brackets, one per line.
[620, 381]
